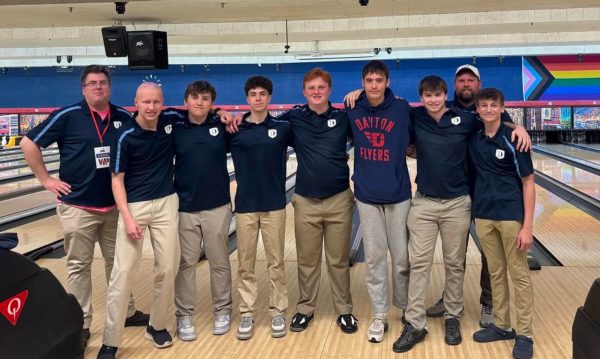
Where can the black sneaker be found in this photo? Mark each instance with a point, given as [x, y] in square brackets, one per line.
[138, 319]
[348, 323]
[160, 338]
[300, 322]
[107, 352]
[85, 336]
[409, 337]
[452, 336]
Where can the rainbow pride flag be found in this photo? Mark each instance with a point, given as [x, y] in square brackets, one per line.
[561, 77]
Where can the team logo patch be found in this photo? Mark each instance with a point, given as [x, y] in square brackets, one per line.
[272, 133]
[331, 123]
[12, 308]
[213, 131]
[168, 129]
[455, 120]
[117, 124]
[499, 154]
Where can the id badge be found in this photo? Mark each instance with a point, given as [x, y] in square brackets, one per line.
[102, 157]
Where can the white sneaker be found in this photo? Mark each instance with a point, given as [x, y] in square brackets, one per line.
[221, 324]
[185, 328]
[377, 328]
[278, 328]
[246, 328]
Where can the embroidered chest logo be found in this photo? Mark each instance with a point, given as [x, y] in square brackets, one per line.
[117, 124]
[331, 123]
[272, 133]
[499, 154]
[168, 129]
[455, 120]
[213, 131]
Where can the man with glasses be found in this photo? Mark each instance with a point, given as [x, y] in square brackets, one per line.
[85, 204]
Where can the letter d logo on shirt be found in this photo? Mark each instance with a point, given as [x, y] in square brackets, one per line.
[455, 120]
[272, 133]
[213, 131]
[499, 154]
[331, 123]
[168, 129]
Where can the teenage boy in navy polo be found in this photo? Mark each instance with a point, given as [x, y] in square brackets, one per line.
[142, 182]
[202, 184]
[441, 206]
[381, 126]
[323, 202]
[259, 154]
[504, 202]
[86, 207]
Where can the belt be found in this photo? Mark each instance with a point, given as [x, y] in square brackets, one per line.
[437, 198]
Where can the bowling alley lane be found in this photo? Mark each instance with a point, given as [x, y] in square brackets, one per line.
[569, 175]
[576, 152]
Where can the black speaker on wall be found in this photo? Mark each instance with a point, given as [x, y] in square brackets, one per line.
[115, 41]
[147, 50]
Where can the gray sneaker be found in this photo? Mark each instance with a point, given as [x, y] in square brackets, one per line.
[185, 328]
[246, 328]
[377, 328]
[487, 316]
[436, 310]
[278, 328]
[221, 324]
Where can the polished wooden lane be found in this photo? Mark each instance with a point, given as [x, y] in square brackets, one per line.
[23, 203]
[576, 152]
[581, 180]
[570, 234]
[37, 234]
[14, 186]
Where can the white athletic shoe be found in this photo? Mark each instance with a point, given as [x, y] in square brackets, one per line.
[185, 328]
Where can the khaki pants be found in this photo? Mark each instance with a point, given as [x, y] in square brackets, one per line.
[427, 218]
[384, 230]
[272, 228]
[328, 221]
[210, 227]
[81, 230]
[499, 243]
[159, 217]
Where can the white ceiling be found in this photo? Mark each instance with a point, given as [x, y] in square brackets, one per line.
[33, 32]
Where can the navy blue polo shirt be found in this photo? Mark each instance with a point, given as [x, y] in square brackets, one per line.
[72, 128]
[455, 104]
[442, 162]
[201, 177]
[259, 155]
[146, 158]
[320, 144]
[381, 135]
[498, 168]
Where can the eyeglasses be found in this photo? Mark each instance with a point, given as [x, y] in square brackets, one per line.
[95, 84]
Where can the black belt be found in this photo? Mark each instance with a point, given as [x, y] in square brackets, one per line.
[437, 198]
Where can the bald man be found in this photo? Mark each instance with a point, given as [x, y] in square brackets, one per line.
[142, 184]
